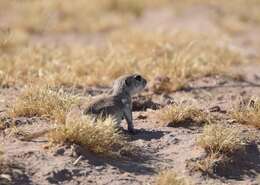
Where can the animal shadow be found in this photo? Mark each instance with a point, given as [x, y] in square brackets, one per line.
[243, 163]
[133, 163]
[146, 135]
[17, 174]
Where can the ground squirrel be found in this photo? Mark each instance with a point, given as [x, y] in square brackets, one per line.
[118, 103]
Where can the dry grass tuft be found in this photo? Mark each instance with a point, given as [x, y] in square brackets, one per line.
[99, 137]
[63, 16]
[209, 163]
[44, 102]
[218, 138]
[2, 125]
[5, 38]
[136, 7]
[1, 155]
[181, 57]
[170, 178]
[247, 112]
[220, 142]
[182, 114]
[2, 161]
[10, 39]
[232, 16]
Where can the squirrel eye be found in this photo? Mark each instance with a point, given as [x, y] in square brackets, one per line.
[138, 77]
[128, 82]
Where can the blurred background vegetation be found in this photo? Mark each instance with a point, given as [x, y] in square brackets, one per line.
[68, 43]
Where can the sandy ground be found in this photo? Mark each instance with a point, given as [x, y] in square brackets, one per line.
[163, 147]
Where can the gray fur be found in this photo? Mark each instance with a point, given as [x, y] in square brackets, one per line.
[118, 103]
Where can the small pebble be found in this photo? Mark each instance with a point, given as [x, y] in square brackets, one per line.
[99, 168]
